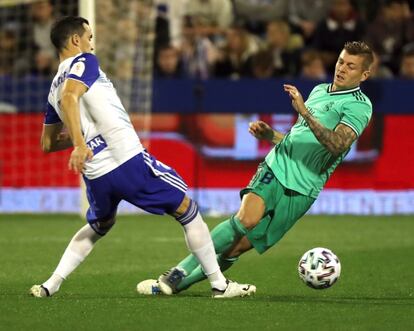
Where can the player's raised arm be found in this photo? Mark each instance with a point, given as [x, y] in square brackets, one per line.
[263, 131]
[69, 105]
[336, 141]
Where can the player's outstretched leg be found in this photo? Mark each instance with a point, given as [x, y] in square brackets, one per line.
[199, 243]
[188, 271]
[224, 235]
[78, 249]
[202, 248]
[233, 289]
[198, 275]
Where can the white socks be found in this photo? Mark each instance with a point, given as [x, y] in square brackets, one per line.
[78, 249]
[198, 241]
[200, 244]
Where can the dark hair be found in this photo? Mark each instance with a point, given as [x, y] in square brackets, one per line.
[262, 59]
[164, 47]
[309, 56]
[362, 49]
[65, 28]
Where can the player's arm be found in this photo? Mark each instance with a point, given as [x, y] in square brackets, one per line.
[53, 139]
[336, 141]
[72, 91]
[263, 131]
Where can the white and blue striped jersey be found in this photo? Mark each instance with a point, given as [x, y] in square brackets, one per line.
[105, 124]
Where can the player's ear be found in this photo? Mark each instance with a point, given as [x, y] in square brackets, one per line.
[75, 40]
[365, 75]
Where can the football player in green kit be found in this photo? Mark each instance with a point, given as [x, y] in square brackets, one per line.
[294, 172]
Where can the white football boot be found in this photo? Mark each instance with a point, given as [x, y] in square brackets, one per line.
[234, 290]
[39, 291]
[149, 287]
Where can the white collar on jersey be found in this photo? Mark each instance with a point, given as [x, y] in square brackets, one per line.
[354, 89]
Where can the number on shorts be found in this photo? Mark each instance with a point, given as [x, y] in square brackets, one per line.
[267, 178]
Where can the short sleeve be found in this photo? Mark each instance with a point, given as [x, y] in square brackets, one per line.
[316, 89]
[85, 68]
[51, 117]
[356, 115]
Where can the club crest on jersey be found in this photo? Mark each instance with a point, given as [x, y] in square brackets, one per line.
[78, 68]
[328, 106]
[97, 144]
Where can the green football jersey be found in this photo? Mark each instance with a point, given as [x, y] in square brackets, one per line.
[300, 162]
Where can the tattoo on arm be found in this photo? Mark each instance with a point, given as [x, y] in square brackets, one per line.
[337, 141]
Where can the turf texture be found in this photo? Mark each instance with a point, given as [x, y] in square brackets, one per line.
[375, 291]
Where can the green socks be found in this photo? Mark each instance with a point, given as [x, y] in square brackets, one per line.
[223, 236]
[198, 275]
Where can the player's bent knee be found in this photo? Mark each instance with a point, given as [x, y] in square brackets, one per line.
[183, 207]
[102, 227]
[248, 221]
[188, 214]
[251, 210]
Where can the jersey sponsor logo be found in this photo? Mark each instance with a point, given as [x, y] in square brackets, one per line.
[97, 144]
[78, 69]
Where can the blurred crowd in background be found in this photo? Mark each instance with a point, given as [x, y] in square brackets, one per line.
[231, 39]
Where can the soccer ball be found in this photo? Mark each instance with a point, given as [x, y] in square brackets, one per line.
[319, 268]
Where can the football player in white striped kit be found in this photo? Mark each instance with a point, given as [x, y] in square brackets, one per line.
[115, 166]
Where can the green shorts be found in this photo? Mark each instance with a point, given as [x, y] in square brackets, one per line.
[283, 208]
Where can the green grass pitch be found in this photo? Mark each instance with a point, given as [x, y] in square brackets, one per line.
[375, 291]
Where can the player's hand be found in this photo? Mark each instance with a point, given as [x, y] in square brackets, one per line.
[261, 130]
[78, 157]
[297, 100]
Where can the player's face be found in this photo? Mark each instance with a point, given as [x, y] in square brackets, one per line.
[349, 71]
[85, 43]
